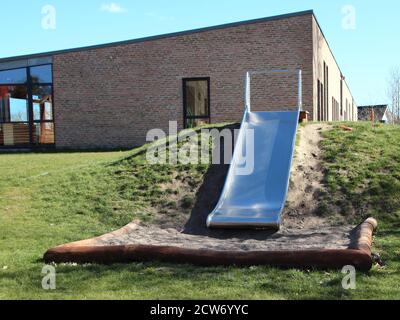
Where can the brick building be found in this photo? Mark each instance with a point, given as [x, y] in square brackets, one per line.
[377, 113]
[110, 96]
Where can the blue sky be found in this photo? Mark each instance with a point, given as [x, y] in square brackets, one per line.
[365, 54]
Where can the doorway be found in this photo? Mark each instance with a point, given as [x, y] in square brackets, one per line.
[196, 102]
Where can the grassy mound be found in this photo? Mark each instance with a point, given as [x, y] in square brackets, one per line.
[362, 172]
[48, 199]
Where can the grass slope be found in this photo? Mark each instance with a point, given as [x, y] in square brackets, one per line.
[52, 198]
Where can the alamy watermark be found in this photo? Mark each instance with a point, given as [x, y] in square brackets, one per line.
[349, 280]
[49, 279]
[349, 17]
[192, 147]
[49, 17]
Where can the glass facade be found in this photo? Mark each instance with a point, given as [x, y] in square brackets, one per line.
[13, 104]
[41, 74]
[15, 76]
[26, 107]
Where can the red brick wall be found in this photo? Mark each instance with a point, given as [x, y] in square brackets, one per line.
[110, 97]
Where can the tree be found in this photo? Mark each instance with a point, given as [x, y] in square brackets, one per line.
[394, 93]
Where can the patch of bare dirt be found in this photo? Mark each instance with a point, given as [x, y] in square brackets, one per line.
[306, 182]
[174, 213]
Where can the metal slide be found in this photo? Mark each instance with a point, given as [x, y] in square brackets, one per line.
[257, 184]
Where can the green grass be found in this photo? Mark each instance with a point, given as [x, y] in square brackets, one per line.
[363, 171]
[47, 199]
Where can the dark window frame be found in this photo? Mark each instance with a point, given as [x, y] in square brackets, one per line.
[31, 122]
[185, 113]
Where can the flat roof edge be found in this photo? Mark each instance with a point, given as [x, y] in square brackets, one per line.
[158, 37]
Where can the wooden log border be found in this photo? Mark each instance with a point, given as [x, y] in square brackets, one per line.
[91, 251]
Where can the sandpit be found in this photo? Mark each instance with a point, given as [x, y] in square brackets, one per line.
[325, 238]
[305, 239]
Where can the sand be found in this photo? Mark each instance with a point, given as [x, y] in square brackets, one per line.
[301, 228]
[321, 238]
[306, 182]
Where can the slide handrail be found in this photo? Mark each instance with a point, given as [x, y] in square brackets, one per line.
[249, 75]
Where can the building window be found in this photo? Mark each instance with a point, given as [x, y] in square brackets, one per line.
[319, 101]
[15, 76]
[43, 129]
[14, 115]
[196, 102]
[324, 96]
[322, 99]
[42, 103]
[327, 93]
[13, 104]
[341, 98]
[41, 74]
[337, 111]
[333, 109]
[26, 107]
